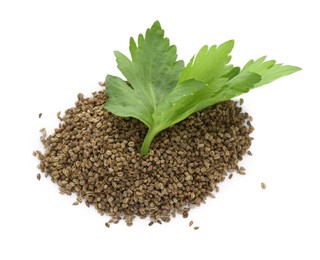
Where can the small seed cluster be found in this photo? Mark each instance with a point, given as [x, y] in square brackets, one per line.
[96, 155]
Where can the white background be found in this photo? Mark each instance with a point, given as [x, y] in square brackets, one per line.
[51, 50]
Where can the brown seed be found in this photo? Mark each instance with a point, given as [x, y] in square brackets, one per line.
[185, 214]
[190, 223]
[34, 153]
[241, 101]
[217, 156]
[80, 96]
[250, 153]
[196, 228]
[230, 176]
[96, 155]
[107, 224]
[159, 222]
[75, 203]
[39, 176]
[40, 115]
[212, 195]
[59, 116]
[151, 223]
[102, 84]
[131, 144]
[263, 185]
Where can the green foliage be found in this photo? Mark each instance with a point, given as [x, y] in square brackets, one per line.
[161, 92]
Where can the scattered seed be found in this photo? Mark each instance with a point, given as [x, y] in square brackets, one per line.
[59, 116]
[196, 228]
[39, 176]
[242, 172]
[40, 115]
[230, 176]
[263, 185]
[80, 96]
[212, 195]
[75, 203]
[151, 223]
[95, 155]
[249, 153]
[190, 223]
[102, 84]
[34, 153]
[107, 225]
[241, 101]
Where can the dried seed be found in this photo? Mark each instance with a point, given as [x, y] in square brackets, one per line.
[131, 144]
[241, 101]
[190, 223]
[59, 116]
[34, 153]
[39, 176]
[159, 222]
[263, 185]
[75, 203]
[230, 176]
[217, 156]
[107, 225]
[242, 172]
[102, 84]
[249, 153]
[40, 115]
[93, 154]
[80, 96]
[185, 214]
[196, 228]
[151, 223]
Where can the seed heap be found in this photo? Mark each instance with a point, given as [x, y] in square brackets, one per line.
[96, 155]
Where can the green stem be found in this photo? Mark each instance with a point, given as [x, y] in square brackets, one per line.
[147, 141]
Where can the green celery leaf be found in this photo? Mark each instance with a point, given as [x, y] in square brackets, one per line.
[124, 101]
[160, 92]
[153, 72]
[209, 64]
[238, 85]
[180, 103]
[269, 70]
